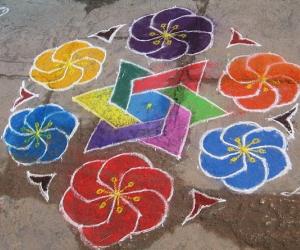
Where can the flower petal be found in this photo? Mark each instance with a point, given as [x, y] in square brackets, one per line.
[72, 75]
[288, 70]
[237, 130]
[277, 160]
[288, 91]
[16, 140]
[57, 143]
[45, 62]
[267, 137]
[232, 88]
[191, 23]
[65, 51]
[17, 121]
[152, 206]
[45, 77]
[220, 168]
[260, 62]
[148, 178]
[90, 68]
[238, 70]
[144, 46]
[212, 144]
[165, 16]
[197, 41]
[29, 155]
[95, 53]
[85, 181]
[62, 120]
[248, 180]
[141, 29]
[119, 226]
[118, 165]
[266, 98]
[85, 213]
[38, 114]
[170, 52]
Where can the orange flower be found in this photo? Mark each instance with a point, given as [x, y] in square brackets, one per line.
[260, 81]
[75, 62]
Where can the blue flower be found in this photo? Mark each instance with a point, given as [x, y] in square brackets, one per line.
[39, 135]
[244, 155]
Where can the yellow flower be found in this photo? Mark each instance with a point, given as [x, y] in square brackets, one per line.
[75, 62]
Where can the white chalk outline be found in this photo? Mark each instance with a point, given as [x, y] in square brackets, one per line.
[233, 30]
[45, 84]
[157, 30]
[193, 192]
[288, 194]
[288, 119]
[139, 215]
[111, 38]
[3, 10]
[33, 95]
[45, 194]
[38, 161]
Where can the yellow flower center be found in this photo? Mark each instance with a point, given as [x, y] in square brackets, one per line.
[117, 194]
[166, 36]
[265, 83]
[245, 150]
[37, 133]
[69, 64]
[149, 106]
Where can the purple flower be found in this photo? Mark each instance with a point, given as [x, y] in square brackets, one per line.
[170, 34]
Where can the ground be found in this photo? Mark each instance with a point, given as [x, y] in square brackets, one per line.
[263, 220]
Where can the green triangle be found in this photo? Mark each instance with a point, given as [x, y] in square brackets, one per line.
[201, 108]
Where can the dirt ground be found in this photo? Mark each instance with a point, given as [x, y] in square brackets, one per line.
[262, 220]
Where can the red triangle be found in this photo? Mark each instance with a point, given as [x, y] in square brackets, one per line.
[237, 38]
[200, 201]
[189, 76]
[25, 95]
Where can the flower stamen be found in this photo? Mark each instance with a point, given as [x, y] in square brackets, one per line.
[117, 194]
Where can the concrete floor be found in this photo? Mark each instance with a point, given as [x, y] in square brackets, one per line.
[27, 222]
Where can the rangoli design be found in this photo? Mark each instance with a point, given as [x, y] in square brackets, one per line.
[109, 201]
[200, 201]
[244, 156]
[158, 115]
[39, 135]
[109, 34]
[260, 82]
[24, 96]
[238, 39]
[170, 34]
[73, 63]
[43, 181]
[285, 120]
[113, 199]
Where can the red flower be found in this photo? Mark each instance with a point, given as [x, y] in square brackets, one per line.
[110, 200]
[261, 81]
